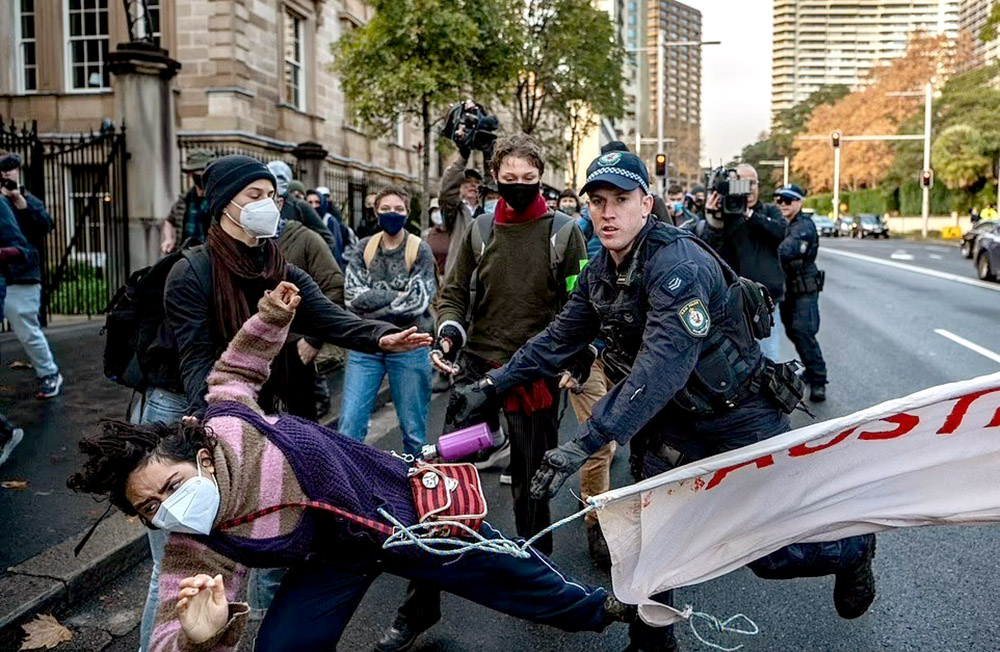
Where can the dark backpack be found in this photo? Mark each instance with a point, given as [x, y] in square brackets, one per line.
[140, 350]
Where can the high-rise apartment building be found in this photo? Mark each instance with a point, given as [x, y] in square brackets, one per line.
[972, 15]
[681, 92]
[823, 42]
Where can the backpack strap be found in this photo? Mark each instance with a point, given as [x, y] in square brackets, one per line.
[412, 251]
[481, 229]
[201, 265]
[309, 504]
[560, 232]
[372, 248]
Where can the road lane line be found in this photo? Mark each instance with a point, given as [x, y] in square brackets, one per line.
[972, 346]
[900, 254]
[914, 268]
[936, 257]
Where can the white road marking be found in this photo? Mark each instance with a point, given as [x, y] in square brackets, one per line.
[914, 268]
[900, 254]
[936, 256]
[972, 346]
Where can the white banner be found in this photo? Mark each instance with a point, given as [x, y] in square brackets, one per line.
[931, 458]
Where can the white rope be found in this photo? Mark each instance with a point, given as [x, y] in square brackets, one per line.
[724, 626]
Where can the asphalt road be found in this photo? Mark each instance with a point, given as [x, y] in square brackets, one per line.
[880, 334]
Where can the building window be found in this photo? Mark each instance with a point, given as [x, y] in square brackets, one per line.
[28, 68]
[87, 44]
[294, 88]
[154, 19]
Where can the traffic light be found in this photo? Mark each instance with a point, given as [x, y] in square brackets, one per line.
[661, 165]
[835, 139]
[927, 178]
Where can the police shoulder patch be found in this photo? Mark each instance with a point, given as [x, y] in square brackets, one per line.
[694, 318]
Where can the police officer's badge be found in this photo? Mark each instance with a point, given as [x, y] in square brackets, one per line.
[611, 158]
[694, 318]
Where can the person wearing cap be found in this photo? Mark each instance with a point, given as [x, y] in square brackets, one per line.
[329, 214]
[671, 314]
[458, 200]
[803, 282]
[24, 277]
[189, 218]
[294, 208]
[209, 294]
[489, 196]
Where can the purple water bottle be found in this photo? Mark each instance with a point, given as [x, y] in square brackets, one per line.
[459, 444]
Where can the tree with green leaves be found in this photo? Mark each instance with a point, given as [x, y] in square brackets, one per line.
[416, 57]
[569, 54]
[958, 158]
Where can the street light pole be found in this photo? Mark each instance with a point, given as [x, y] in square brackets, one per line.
[786, 172]
[925, 209]
[836, 181]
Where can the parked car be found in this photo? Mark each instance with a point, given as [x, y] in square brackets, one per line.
[869, 225]
[844, 224]
[825, 225]
[970, 237]
[986, 254]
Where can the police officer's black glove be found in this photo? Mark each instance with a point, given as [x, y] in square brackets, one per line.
[470, 399]
[557, 465]
[579, 366]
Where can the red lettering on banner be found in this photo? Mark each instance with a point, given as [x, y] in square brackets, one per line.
[905, 423]
[805, 449]
[995, 423]
[961, 408]
[761, 462]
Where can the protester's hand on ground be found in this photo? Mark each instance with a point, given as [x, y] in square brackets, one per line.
[404, 341]
[557, 465]
[202, 607]
[307, 352]
[285, 296]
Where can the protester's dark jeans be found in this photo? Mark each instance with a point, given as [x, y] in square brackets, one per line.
[755, 420]
[316, 600]
[800, 316]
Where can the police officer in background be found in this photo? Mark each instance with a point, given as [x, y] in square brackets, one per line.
[689, 379]
[803, 282]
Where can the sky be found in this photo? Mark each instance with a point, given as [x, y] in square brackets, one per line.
[736, 79]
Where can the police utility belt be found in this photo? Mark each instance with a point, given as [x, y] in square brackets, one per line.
[806, 283]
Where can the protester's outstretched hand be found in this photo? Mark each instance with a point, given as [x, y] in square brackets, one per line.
[285, 296]
[202, 607]
[558, 464]
[404, 341]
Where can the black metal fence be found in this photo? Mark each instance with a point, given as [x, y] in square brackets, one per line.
[81, 180]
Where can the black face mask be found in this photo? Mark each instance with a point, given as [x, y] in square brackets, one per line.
[519, 196]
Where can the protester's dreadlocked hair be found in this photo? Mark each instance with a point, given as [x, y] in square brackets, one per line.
[123, 447]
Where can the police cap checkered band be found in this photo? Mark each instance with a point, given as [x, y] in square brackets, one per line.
[623, 170]
[791, 192]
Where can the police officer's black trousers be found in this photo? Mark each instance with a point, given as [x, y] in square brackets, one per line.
[687, 439]
[800, 316]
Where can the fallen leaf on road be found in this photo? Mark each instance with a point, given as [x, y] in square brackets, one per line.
[20, 364]
[44, 632]
[14, 484]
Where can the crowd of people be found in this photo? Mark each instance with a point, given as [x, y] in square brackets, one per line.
[630, 306]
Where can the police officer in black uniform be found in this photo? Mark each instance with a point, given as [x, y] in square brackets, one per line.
[690, 380]
[803, 282]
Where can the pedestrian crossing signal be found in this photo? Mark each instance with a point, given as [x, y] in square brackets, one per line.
[927, 178]
[661, 165]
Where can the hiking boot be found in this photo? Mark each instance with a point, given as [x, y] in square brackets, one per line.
[505, 477]
[50, 386]
[817, 393]
[617, 611]
[854, 590]
[9, 439]
[401, 636]
[598, 547]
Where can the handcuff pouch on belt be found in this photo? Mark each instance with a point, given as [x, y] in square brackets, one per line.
[780, 383]
[447, 492]
[806, 283]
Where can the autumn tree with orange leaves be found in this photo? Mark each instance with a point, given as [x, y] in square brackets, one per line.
[877, 108]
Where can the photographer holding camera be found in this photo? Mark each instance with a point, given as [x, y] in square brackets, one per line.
[24, 280]
[747, 233]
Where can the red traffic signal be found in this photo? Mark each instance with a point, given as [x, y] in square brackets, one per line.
[661, 165]
[835, 139]
[927, 178]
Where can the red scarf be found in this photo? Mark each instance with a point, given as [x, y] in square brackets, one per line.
[506, 215]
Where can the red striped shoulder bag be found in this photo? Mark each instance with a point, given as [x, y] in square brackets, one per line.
[448, 492]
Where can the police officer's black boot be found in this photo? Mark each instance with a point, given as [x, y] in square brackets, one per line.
[817, 393]
[598, 547]
[854, 590]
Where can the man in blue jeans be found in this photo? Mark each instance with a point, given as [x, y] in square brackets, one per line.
[24, 280]
[390, 276]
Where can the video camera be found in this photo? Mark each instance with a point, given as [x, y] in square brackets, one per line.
[470, 126]
[733, 191]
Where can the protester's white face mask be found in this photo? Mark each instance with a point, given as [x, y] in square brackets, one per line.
[436, 218]
[192, 508]
[490, 206]
[258, 219]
